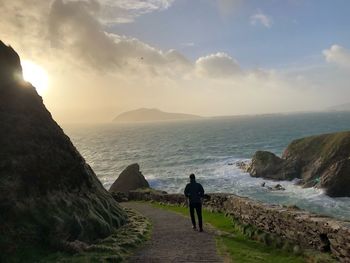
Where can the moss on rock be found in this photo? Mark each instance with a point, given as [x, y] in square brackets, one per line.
[322, 161]
[49, 195]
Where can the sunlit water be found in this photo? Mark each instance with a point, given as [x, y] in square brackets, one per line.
[168, 152]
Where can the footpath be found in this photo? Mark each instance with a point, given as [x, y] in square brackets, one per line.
[172, 239]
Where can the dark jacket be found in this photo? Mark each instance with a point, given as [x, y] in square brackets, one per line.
[194, 191]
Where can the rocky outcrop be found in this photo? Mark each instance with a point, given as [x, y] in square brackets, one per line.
[291, 224]
[49, 196]
[271, 167]
[130, 179]
[322, 161]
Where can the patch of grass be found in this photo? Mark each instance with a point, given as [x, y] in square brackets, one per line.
[239, 248]
[115, 248]
[324, 145]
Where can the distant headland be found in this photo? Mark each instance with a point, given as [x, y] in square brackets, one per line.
[340, 107]
[148, 115]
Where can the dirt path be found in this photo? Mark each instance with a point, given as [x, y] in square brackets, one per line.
[173, 239]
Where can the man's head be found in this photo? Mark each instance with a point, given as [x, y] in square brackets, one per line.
[192, 177]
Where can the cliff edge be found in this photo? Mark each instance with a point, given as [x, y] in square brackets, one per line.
[322, 161]
[49, 196]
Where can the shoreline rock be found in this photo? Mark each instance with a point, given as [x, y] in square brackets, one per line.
[321, 161]
[130, 178]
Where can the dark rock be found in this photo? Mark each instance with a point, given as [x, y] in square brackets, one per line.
[130, 179]
[49, 195]
[243, 165]
[278, 187]
[10, 65]
[321, 161]
[268, 165]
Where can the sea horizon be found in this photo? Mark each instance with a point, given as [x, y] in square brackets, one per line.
[169, 151]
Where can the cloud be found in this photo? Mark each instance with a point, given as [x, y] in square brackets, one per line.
[74, 28]
[261, 18]
[219, 65]
[338, 55]
[93, 70]
[126, 11]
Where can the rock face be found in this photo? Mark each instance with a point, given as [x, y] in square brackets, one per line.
[130, 179]
[49, 195]
[271, 166]
[322, 161]
[10, 65]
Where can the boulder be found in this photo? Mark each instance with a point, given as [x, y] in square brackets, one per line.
[49, 195]
[268, 165]
[322, 161]
[130, 179]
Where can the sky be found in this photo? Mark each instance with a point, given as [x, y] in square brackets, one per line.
[205, 57]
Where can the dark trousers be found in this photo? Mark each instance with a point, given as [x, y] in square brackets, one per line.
[198, 207]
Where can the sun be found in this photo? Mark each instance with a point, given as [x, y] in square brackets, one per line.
[36, 75]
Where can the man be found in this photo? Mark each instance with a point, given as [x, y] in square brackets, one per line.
[194, 192]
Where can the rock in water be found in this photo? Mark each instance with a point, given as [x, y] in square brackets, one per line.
[49, 195]
[130, 179]
[322, 161]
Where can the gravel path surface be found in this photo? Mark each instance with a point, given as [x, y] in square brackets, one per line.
[173, 239]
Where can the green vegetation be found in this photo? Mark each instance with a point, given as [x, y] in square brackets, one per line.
[115, 248]
[324, 145]
[234, 241]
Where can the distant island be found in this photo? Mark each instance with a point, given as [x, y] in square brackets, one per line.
[144, 115]
[340, 107]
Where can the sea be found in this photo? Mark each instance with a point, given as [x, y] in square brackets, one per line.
[168, 152]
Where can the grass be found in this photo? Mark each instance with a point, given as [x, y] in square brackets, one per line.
[238, 248]
[324, 145]
[114, 248]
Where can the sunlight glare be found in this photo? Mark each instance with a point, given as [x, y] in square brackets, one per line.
[36, 75]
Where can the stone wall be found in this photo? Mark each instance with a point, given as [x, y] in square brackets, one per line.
[298, 226]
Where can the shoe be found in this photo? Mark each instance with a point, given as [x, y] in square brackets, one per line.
[194, 228]
[201, 230]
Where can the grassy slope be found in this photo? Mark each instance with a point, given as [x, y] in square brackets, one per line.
[239, 248]
[115, 248]
[324, 146]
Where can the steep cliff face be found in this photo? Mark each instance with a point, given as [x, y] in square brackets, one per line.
[322, 161]
[49, 195]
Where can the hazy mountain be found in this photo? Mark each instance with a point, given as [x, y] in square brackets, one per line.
[340, 107]
[144, 114]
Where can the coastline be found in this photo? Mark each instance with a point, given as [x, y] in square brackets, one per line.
[300, 227]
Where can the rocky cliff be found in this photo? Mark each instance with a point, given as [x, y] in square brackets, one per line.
[130, 179]
[322, 161]
[49, 195]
